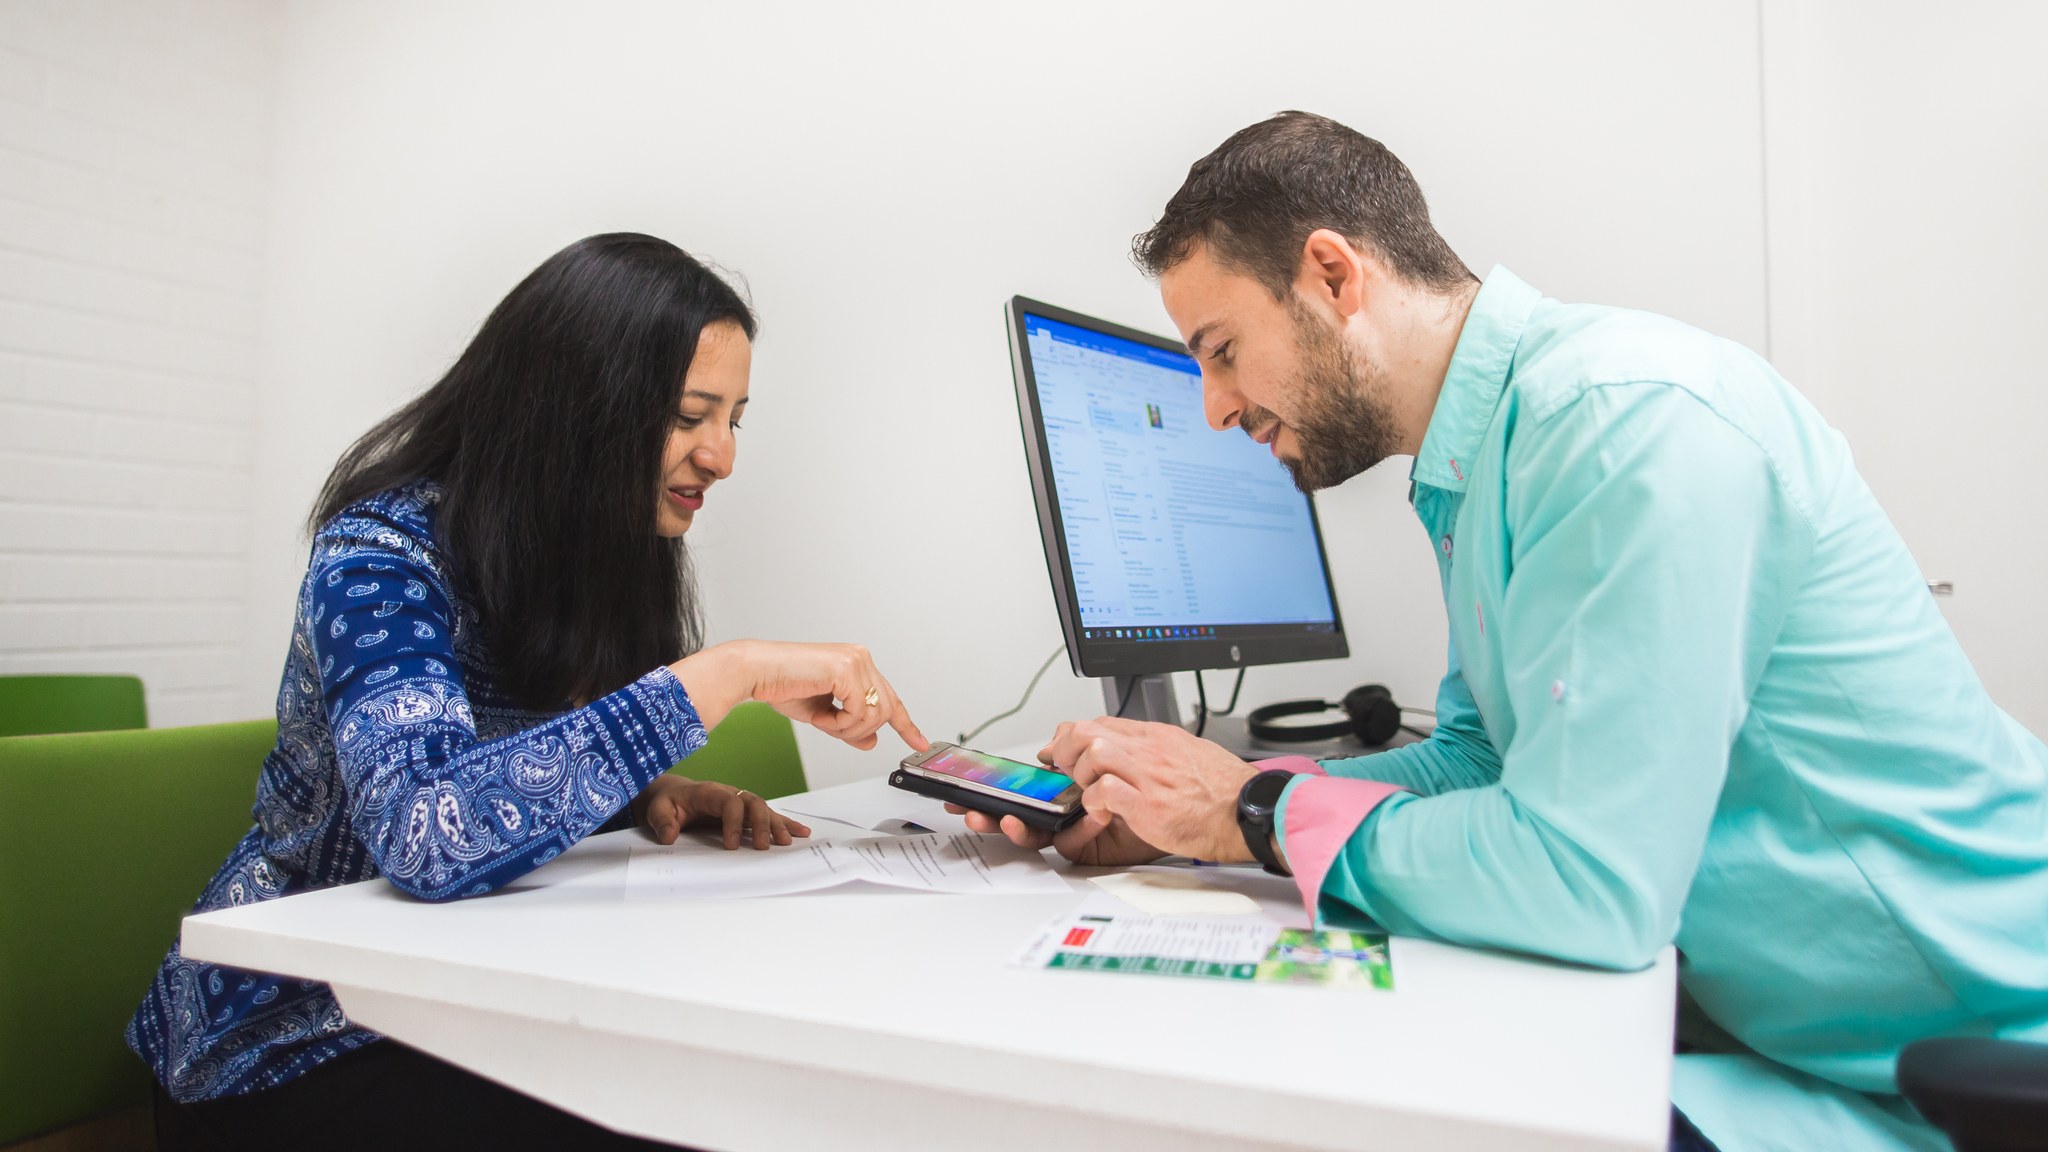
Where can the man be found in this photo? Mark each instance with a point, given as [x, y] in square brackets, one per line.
[1697, 689]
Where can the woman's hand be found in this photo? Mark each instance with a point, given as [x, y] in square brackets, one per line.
[673, 803]
[835, 688]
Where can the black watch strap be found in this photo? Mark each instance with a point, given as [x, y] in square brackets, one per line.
[1257, 803]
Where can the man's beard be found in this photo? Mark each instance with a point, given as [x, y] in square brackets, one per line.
[1342, 421]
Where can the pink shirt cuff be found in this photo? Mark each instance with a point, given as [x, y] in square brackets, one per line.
[1299, 765]
[1322, 813]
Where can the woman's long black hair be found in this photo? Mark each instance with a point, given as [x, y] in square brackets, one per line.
[546, 438]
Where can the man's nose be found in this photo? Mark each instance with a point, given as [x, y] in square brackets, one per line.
[1223, 406]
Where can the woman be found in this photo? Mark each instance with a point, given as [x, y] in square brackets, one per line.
[496, 654]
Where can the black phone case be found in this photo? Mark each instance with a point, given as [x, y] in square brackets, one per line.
[982, 801]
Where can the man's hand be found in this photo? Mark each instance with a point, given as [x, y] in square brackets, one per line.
[1167, 787]
[1093, 839]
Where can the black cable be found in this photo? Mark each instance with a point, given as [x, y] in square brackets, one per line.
[1235, 689]
[1202, 712]
[1125, 702]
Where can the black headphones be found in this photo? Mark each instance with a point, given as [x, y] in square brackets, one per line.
[1369, 714]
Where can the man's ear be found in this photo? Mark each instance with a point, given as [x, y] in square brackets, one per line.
[1333, 273]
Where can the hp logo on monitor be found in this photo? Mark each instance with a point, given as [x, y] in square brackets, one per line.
[1234, 657]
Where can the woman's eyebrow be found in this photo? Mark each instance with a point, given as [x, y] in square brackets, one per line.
[713, 398]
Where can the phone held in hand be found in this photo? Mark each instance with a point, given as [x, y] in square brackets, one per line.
[1038, 796]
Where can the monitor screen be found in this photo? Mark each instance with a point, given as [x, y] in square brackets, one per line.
[1172, 545]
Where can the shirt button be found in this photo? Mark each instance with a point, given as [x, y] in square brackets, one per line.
[1557, 691]
[1447, 545]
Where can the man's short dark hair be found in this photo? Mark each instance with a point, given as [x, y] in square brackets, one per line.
[1256, 198]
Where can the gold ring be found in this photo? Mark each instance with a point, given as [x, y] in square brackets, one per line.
[873, 697]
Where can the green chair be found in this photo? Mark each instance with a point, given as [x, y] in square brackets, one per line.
[30, 705]
[753, 748]
[106, 839]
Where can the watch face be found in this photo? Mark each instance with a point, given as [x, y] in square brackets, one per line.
[1255, 806]
[1263, 792]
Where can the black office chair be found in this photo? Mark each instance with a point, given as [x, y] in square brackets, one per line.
[1987, 1095]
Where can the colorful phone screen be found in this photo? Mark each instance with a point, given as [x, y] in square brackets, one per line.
[996, 772]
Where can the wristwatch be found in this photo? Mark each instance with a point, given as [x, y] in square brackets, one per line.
[1256, 803]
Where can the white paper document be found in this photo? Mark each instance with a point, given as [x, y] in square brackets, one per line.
[965, 863]
[930, 818]
[880, 809]
[1175, 892]
[1185, 890]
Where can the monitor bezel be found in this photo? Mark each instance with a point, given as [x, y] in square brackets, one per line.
[1151, 657]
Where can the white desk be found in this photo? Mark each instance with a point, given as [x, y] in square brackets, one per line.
[892, 1020]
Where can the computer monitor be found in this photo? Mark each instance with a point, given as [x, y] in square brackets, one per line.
[1171, 546]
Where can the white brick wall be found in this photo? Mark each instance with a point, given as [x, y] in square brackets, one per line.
[135, 146]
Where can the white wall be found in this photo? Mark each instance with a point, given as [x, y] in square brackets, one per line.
[1907, 155]
[886, 176]
[134, 148]
[885, 179]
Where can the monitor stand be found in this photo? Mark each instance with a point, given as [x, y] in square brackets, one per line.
[1153, 698]
[1149, 698]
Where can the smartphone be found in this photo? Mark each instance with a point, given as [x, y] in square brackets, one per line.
[1038, 796]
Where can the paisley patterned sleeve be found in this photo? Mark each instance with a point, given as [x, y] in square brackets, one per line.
[443, 813]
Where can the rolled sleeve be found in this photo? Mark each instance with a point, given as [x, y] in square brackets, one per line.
[443, 811]
[1318, 815]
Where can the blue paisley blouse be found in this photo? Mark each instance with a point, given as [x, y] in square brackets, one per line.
[397, 756]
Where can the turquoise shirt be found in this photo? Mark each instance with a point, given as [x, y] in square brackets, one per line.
[1698, 693]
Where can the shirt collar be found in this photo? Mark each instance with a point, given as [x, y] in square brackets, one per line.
[1479, 371]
